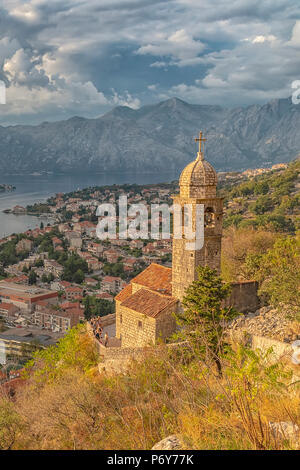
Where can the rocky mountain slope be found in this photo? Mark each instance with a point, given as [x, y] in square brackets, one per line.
[154, 138]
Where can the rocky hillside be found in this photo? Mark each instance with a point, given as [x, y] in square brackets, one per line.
[154, 138]
[276, 323]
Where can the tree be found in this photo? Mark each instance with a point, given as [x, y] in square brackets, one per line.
[39, 263]
[71, 267]
[261, 187]
[32, 277]
[280, 272]
[204, 318]
[78, 276]
[263, 204]
[113, 269]
[97, 307]
[8, 254]
[88, 308]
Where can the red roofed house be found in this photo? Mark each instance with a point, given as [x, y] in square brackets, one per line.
[73, 293]
[93, 263]
[56, 242]
[59, 320]
[84, 227]
[91, 282]
[144, 308]
[95, 248]
[111, 284]
[111, 255]
[8, 311]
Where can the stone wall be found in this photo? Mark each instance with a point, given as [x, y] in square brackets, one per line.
[120, 353]
[243, 296]
[108, 319]
[118, 324]
[281, 351]
[166, 323]
[136, 329]
[118, 359]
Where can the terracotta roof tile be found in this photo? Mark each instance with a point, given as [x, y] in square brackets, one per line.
[148, 302]
[111, 279]
[7, 306]
[155, 277]
[125, 293]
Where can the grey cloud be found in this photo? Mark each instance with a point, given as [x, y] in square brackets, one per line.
[198, 50]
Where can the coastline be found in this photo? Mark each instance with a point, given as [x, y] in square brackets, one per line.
[7, 188]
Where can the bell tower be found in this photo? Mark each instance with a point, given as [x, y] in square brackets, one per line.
[198, 186]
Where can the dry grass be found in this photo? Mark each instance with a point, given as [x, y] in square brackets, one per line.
[80, 409]
[237, 244]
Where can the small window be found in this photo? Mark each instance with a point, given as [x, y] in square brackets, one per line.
[209, 217]
[140, 324]
[121, 319]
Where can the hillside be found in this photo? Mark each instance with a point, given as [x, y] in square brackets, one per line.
[270, 201]
[67, 405]
[154, 138]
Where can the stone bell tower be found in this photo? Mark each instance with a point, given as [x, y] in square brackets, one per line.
[198, 184]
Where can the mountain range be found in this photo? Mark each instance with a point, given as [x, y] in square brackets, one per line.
[155, 138]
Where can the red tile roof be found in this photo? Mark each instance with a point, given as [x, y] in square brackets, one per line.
[65, 283]
[148, 303]
[124, 294]
[111, 279]
[157, 278]
[73, 289]
[67, 305]
[7, 306]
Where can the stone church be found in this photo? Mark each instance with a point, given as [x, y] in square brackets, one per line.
[145, 308]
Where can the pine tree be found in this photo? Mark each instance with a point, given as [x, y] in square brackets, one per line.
[204, 318]
[88, 313]
[32, 277]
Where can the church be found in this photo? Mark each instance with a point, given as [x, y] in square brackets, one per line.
[145, 308]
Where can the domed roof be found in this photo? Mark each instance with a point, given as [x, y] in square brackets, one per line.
[199, 178]
[199, 173]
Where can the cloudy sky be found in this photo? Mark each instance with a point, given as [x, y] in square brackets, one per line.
[61, 58]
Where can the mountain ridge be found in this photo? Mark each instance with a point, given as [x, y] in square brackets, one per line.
[154, 138]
